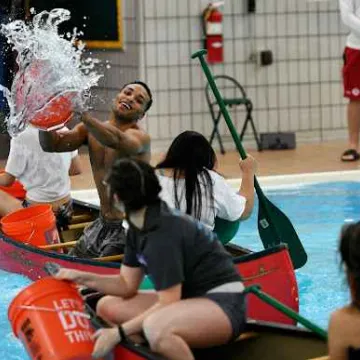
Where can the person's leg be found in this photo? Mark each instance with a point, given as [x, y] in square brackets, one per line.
[351, 83]
[117, 310]
[8, 203]
[113, 238]
[88, 243]
[353, 115]
[198, 323]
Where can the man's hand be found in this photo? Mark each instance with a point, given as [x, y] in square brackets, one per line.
[106, 340]
[71, 275]
[248, 165]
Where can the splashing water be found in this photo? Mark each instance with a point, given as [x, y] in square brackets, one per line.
[53, 78]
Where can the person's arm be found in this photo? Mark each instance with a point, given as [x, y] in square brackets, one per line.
[60, 141]
[16, 163]
[125, 284]
[6, 179]
[337, 349]
[248, 167]
[132, 141]
[348, 16]
[75, 166]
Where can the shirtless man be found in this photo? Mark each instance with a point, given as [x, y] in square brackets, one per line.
[118, 137]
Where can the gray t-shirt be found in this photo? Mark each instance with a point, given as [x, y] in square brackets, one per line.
[174, 248]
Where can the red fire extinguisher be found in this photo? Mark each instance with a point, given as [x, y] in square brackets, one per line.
[213, 29]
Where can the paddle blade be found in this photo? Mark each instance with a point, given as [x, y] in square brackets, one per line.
[225, 229]
[275, 228]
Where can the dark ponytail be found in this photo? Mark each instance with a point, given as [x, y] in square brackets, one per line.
[190, 155]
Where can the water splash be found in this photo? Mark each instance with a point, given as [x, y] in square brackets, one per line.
[51, 68]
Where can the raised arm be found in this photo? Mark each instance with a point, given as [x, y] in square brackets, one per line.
[59, 141]
[248, 168]
[348, 16]
[132, 141]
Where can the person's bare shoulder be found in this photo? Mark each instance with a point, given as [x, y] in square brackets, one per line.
[344, 321]
[139, 133]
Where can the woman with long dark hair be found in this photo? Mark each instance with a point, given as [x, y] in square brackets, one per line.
[190, 183]
[344, 326]
[199, 299]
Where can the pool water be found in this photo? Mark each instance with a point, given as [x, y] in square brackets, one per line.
[317, 212]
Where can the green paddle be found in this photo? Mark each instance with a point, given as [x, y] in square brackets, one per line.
[256, 290]
[274, 226]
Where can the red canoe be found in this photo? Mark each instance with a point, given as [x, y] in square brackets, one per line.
[261, 341]
[271, 268]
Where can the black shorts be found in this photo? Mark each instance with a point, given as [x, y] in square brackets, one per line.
[234, 306]
[101, 238]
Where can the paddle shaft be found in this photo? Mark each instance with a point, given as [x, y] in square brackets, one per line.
[262, 199]
[58, 246]
[256, 290]
[111, 258]
[73, 243]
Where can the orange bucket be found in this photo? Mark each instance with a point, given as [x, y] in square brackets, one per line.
[35, 225]
[48, 317]
[45, 111]
[55, 114]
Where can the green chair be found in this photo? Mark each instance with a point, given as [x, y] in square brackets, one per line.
[238, 97]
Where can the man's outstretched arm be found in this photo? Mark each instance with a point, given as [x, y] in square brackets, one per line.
[60, 141]
[132, 141]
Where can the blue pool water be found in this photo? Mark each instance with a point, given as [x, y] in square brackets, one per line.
[317, 212]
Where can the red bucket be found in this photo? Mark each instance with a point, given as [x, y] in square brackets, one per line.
[56, 113]
[48, 317]
[35, 225]
[44, 110]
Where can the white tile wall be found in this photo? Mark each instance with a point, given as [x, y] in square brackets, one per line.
[300, 92]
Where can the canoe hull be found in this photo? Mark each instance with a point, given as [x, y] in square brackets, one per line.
[271, 269]
[263, 341]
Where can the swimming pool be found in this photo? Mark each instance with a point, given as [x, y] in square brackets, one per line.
[316, 210]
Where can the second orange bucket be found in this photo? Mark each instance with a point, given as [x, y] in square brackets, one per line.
[35, 225]
[48, 317]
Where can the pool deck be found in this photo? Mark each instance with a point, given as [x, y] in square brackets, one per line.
[307, 159]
